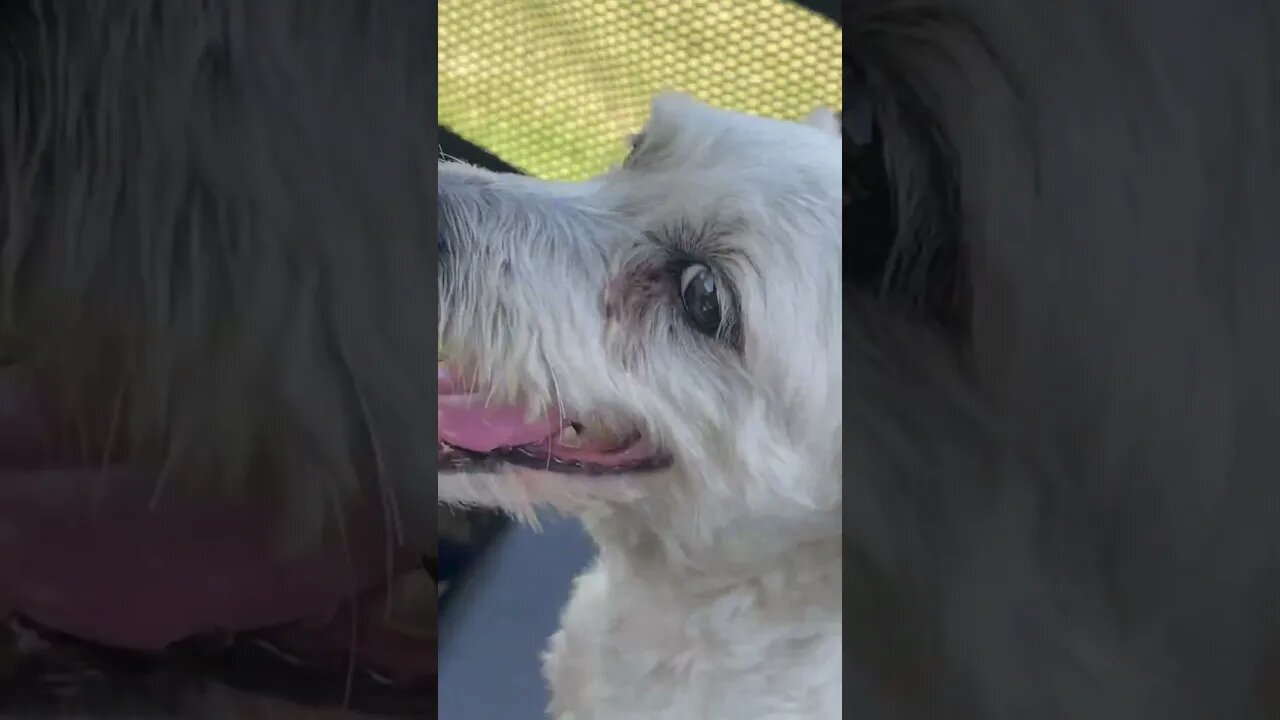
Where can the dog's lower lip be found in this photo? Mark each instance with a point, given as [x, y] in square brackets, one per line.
[453, 459]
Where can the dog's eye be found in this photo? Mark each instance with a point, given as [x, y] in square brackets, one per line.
[701, 301]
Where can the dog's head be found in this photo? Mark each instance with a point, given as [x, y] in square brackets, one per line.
[661, 342]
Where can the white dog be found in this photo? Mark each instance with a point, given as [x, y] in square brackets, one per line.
[658, 351]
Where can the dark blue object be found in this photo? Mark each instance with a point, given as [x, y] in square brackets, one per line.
[500, 617]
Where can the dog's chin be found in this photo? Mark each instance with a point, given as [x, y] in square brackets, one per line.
[521, 491]
[494, 455]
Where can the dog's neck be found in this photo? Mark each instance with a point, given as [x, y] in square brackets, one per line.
[737, 552]
[661, 628]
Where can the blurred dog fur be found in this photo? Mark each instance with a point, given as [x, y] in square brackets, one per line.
[214, 246]
[213, 261]
[1064, 466]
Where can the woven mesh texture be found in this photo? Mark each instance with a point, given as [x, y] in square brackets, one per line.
[553, 87]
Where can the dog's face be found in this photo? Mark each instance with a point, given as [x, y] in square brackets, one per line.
[662, 341]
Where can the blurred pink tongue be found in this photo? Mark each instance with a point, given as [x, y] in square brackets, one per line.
[467, 421]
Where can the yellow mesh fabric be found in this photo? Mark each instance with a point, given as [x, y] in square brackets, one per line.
[554, 86]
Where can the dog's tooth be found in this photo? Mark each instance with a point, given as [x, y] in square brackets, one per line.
[569, 438]
[598, 435]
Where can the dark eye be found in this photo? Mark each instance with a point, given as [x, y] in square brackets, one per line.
[701, 301]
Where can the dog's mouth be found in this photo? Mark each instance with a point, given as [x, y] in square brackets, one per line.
[476, 436]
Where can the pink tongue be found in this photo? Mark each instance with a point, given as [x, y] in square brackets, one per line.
[466, 421]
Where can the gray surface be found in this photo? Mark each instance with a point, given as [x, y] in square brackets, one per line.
[490, 646]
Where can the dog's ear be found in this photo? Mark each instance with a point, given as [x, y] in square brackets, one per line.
[824, 119]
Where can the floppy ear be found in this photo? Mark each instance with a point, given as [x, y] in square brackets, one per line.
[824, 119]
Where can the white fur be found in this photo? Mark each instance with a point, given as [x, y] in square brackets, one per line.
[717, 592]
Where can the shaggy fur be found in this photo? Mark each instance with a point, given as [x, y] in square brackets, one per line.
[214, 263]
[214, 243]
[716, 593]
[1063, 477]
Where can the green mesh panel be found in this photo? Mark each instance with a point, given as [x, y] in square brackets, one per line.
[553, 87]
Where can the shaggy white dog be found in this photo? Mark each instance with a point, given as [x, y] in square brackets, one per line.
[658, 351]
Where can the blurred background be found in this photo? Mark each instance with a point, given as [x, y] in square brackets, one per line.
[553, 88]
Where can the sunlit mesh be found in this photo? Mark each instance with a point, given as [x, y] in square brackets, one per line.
[553, 87]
